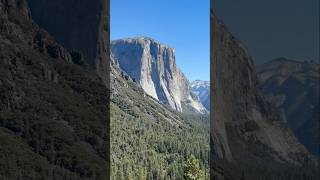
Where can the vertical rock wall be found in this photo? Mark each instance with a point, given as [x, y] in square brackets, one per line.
[242, 119]
[153, 65]
[78, 25]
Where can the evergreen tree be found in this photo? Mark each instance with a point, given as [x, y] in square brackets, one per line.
[193, 170]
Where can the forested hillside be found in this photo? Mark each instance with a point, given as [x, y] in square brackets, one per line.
[151, 141]
[53, 112]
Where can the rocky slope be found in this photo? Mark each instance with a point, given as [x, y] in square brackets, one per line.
[153, 65]
[202, 90]
[53, 113]
[250, 138]
[294, 86]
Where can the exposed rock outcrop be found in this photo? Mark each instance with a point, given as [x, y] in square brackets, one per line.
[294, 86]
[80, 26]
[153, 65]
[245, 129]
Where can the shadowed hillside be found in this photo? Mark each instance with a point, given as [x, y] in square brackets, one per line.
[53, 112]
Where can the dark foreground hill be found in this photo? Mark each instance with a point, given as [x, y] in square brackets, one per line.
[53, 113]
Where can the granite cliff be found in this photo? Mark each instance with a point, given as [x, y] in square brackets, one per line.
[79, 26]
[250, 137]
[153, 66]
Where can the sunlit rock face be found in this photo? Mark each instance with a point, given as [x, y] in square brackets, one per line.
[153, 66]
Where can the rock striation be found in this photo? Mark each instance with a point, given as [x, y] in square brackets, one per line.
[153, 66]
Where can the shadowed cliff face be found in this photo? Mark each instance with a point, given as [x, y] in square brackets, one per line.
[245, 129]
[153, 65]
[79, 25]
[294, 87]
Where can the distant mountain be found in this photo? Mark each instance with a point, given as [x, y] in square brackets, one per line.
[294, 86]
[202, 90]
[251, 139]
[153, 66]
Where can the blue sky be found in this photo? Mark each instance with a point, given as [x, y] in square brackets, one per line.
[273, 28]
[181, 24]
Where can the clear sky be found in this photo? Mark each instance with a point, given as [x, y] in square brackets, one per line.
[273, 28]
[181, 24]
